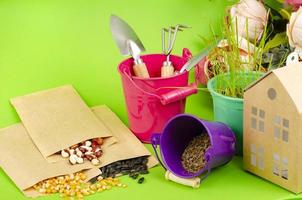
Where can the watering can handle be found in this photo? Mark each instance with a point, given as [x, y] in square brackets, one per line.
[143, 91]
[178, 94]
[155, 141]
[170, 97]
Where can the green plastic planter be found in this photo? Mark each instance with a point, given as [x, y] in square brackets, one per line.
[229, 110]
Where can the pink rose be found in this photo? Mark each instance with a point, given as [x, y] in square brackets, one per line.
[295, 3]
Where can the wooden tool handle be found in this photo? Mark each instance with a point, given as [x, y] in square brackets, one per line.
[167, 71]
[140, 70]
[192, 182]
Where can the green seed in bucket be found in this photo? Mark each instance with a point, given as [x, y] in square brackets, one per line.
[193, 159]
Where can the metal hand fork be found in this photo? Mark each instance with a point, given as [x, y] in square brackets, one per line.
[167, 47]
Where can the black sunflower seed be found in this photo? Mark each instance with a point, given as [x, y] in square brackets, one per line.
[141, 180]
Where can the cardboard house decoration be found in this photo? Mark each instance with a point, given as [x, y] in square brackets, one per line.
[272, 140]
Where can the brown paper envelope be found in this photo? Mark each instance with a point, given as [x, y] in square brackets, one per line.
[128, 146]
[24, 163]
[58, 118]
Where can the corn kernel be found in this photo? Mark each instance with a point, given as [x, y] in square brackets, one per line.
[41, 190]
[100, 190]
[100, 178]
[73, 186]
[80, 195]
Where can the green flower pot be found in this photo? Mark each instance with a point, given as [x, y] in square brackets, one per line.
[229, 110]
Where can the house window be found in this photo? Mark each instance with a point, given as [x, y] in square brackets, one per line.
[276, 161]
[285, 123]
[254, 123]
[280, 166]
[253, 155]
[281, 128]
[285, 136]
[277, 120]
[277, 133]
[257, 156]
[257, 120]
[284, 168]
[261, 158]
[271, 93]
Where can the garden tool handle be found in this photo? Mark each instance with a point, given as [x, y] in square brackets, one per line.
[193, 182]
[167, 70]
[178, 94]
[155, 141]
[183, 92]
[140, 70]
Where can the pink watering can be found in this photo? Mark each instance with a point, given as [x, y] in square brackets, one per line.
[151, 102]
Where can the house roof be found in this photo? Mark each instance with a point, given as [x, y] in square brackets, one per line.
[291, 78]
[257, 81]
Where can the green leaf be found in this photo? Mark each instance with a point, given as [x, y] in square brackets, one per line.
[284, 13]
[278, 39]
[275, 5]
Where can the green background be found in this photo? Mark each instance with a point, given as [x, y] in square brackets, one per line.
[48, 43]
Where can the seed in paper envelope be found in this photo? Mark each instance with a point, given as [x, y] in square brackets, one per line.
[133, 167]
[25, 165]
[88, 150]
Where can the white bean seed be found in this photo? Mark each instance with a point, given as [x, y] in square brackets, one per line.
[95, 161]
[64, 154]
[73, 159]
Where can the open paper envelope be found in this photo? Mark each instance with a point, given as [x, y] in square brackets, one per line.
[26, 166]
[58, 118]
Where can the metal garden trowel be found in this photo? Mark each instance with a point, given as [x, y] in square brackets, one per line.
[128, 44]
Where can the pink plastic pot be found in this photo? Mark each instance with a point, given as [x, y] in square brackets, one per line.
[152, 102]
[201, 71]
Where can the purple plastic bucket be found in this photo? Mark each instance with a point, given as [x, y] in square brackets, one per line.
[177, 134]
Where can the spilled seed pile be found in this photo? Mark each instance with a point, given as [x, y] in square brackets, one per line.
[135, 168]
[73, 186]
[193, 158]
